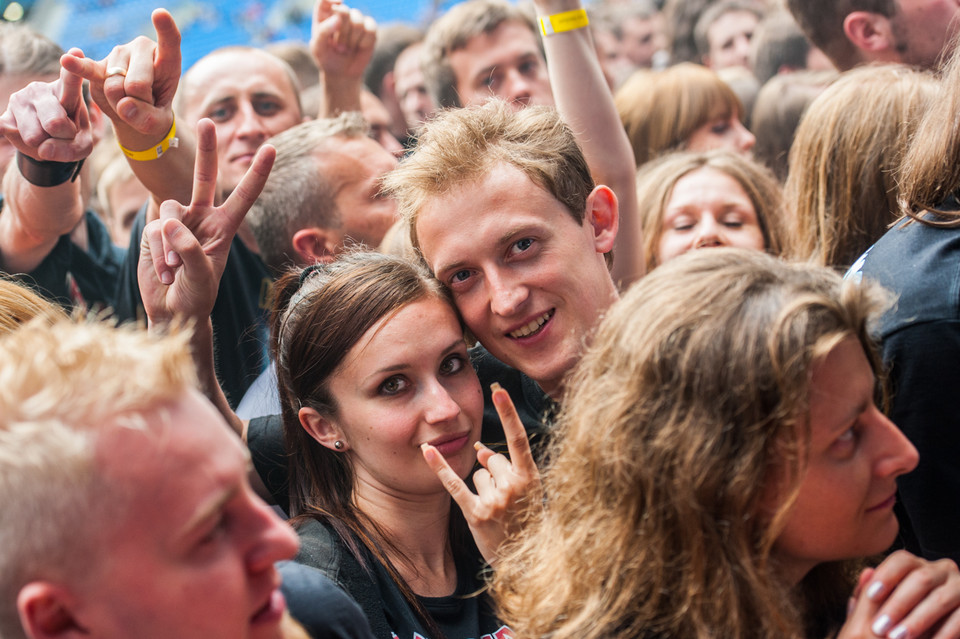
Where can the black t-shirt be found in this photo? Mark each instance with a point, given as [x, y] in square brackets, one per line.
[920, 337]
[72, 277]
[466, 614]
[239, 316]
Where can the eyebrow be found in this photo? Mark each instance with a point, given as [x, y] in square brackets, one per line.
[207, 511]
[403, 366]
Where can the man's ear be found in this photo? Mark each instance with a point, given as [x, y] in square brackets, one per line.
[322, 429]
[872, 33]
[316, 245]
[48, 611]
[603, 214]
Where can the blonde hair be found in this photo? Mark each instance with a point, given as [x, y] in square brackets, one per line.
[842, 180]
[656, 180]
[61, 386]
[19, 305]
[661, 109]
[461, 146]
[694, 387]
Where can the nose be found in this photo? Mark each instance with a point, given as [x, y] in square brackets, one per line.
[895, 454]
[441, 407]
[743, 50]
[708, 233]
[273, 540]
[506, 296]
[251, 125]
[745, 140]
[517, 88]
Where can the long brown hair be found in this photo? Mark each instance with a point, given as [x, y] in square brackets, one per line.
[319, 314]
[694, 387]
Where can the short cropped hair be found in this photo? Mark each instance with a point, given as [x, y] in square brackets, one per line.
[297, 194]
[23, 51]
[392, 39]
[452, 31]
[713, 12]
[778, 42]
[61, 387]
[822, 21]
[463, 145]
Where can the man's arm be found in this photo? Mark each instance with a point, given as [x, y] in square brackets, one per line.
[134, 87]
[585, 103]
[49, 125]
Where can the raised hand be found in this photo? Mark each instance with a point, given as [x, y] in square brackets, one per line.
[135, 84]
[906, 596]
[49, 120]
[504, 486]
[341, 39]
[183, 254]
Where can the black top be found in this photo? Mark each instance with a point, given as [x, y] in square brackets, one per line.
[920, 337]
[72, 277]
[465, 614]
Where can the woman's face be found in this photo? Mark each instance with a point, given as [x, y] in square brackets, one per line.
[844, 507]
[406, 382]
[708, 208]
[725, 132]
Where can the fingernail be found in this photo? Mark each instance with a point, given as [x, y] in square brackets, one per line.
[166, 277]
[494, 387]
[172, 258]
[900, 632]
[129, 111]
[880, 626]
[875, 590]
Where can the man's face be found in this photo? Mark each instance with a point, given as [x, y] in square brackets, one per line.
[192, 555]
[642, 38]
[355, 168]
[505, 63]
[528, 280]
[411, 89]
[729, 39]
[924, 29]
[249, 97]
[378, 118]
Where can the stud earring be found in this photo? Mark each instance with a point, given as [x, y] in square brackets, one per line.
[338, 445]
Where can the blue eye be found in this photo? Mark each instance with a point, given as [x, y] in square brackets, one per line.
[523, 245]
[460, 276]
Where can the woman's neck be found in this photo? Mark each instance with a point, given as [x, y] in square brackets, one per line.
[419, 536]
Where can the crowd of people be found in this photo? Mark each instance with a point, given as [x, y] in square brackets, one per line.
[408, 334]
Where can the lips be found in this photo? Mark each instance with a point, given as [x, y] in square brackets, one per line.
[451, 444]
[272, 611]
[885, 504]
[532, 327]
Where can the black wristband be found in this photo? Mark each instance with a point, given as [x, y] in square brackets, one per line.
[46, 173]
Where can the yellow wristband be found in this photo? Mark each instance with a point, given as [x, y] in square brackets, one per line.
[566, 21]
[157, 150]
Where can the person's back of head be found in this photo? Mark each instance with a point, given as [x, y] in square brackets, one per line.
[452, 32]
[781, 103]
[779, 46]
[19, 305]
[681, 18]
[842, 184]
[694, 389]
[298, 56]
[298, 194]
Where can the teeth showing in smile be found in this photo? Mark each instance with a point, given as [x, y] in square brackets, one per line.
[532, 327]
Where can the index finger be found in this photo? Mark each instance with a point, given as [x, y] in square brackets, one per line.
[71, 86]
[252, 183]
[205, 170]
[518, 444]
[168, 41]
[324, 9]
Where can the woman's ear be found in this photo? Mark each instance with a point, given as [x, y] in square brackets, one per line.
[323, 429]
